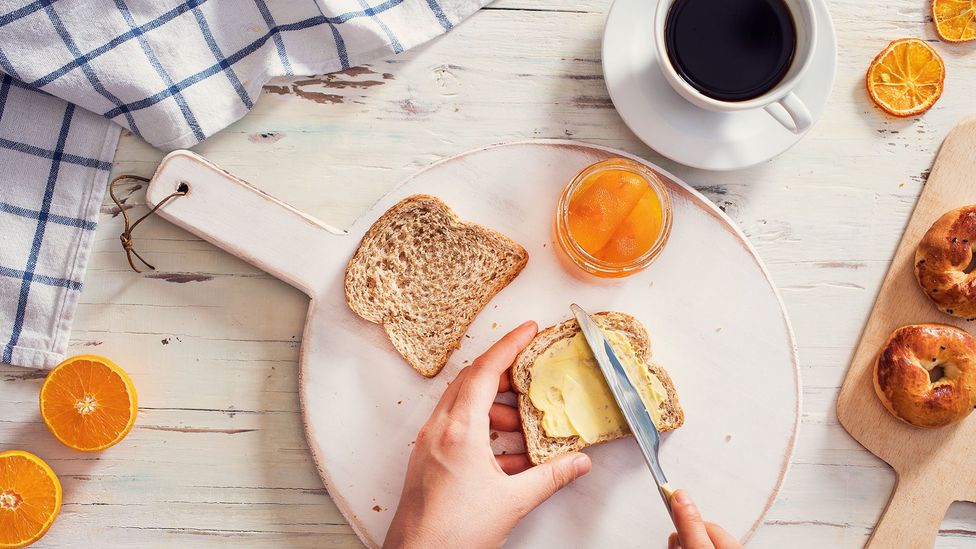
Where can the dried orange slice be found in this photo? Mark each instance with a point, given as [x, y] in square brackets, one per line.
[30, 498]
[906, 78]
[955, 20]
[88, 403]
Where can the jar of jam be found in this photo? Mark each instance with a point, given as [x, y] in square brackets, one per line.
[614, 218]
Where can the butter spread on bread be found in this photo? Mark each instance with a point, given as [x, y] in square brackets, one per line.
[542, 446]
[573, 396]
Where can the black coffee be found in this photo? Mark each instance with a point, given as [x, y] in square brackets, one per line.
[731, 50]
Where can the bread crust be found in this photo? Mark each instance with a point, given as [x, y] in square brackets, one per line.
[902, 380]
[540, 447]
[424, 275]
[942, 258]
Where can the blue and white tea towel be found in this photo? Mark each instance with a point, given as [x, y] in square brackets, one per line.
[172, 72]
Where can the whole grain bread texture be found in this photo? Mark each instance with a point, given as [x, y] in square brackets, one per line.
[424, 275]
[542, 448]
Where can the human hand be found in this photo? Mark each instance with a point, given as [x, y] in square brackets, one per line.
[693, 532]
[456, 492]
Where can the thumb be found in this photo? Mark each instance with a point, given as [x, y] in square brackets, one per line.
[542, 481]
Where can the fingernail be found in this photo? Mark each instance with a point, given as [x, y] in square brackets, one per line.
[680, 497]
[582, 465]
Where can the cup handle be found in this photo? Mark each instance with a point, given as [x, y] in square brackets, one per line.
[791, 113]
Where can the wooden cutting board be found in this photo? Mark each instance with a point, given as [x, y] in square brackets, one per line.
[935, 467]
[715, 319]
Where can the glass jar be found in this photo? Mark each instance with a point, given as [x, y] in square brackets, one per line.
[605, 262]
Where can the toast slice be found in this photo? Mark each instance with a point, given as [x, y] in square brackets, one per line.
[424, 275]
[541, 447]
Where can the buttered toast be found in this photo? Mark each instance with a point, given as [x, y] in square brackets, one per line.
[539, 445]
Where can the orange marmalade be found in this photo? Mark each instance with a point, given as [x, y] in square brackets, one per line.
[613, 218]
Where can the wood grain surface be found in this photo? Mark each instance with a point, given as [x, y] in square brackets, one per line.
[935, 466]
[217, 455]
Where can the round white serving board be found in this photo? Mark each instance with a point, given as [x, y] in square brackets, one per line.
[716, 322]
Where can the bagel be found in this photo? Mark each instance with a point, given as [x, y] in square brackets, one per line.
[943, 262]
[906, 378]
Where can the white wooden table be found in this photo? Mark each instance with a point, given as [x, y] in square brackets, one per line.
[218, 456]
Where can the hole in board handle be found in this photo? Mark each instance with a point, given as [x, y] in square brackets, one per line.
[183, 187]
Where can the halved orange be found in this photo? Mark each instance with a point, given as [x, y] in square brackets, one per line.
[89, 403]
[906, 78]
[955, 20]
[30, 498]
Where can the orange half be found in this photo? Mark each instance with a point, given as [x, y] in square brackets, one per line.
[30, 498]
[89, 403]
[955, 20]
[906, 78]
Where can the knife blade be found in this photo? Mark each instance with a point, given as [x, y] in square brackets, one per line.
[628, 399]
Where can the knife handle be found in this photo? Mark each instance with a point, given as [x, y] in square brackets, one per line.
[667, 491]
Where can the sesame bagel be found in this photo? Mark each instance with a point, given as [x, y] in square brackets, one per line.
[943, 262]
[925, 374]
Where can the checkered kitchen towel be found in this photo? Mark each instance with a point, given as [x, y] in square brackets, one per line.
[172, 72]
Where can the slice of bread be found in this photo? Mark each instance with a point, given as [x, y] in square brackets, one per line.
[424, 275]
[541, 447]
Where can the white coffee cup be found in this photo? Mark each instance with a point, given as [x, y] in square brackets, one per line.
[780, 101]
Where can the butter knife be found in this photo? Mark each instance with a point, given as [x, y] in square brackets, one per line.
[638, 418]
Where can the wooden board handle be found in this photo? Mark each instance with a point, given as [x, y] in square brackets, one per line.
[913, 515]
[231, 214]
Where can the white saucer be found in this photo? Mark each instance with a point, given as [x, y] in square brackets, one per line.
[677, 129]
